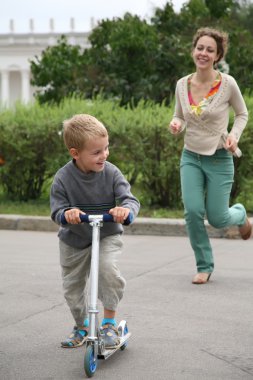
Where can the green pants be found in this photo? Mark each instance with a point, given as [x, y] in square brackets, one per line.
[206, 183]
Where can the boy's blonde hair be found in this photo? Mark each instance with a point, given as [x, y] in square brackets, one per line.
[80, 129]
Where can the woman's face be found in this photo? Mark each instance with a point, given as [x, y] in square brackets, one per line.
[205, 53]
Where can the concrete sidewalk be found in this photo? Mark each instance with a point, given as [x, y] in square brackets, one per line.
[141, 226]
[179, 331]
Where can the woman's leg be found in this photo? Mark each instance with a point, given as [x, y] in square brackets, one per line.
[219, 170]
[193, 184]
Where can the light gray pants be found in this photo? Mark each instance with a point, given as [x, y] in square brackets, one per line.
[75, 265]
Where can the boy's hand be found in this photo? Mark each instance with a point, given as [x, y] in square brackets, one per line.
[72, 215]
[119, 214]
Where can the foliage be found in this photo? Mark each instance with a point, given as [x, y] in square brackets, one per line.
[131, 59]
[31, 146]
[119, 62]
[127, 79]
[150, 154]
[244, 166]
[219, 9]
[140, 145]
[59, 72]
[124, 54]
[240, 58]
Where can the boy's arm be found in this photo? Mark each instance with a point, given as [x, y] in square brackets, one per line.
[59, 204]
[126, 201]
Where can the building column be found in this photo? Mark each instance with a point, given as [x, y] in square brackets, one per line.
[25, 89]
[5, 88]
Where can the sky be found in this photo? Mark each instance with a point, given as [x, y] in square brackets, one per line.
[82, 11]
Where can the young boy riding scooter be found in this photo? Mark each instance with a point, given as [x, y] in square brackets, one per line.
[88, 184]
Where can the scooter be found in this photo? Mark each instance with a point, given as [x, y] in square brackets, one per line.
[95, 348]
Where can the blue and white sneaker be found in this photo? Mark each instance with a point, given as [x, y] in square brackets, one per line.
[110, 335]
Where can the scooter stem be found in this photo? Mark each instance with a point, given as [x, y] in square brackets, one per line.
[93, 307]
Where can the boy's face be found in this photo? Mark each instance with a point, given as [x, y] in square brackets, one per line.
[93, 156]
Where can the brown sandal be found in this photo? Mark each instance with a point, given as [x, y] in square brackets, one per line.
[246, 230]
[76, 338]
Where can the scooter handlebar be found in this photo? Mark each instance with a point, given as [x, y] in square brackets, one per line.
[85, 218]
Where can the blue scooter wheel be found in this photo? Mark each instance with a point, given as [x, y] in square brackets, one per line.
[90, 362]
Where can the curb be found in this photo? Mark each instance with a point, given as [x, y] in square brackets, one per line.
[141, 226]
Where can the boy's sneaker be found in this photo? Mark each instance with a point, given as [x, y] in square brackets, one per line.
[110, 335]
[76, 338]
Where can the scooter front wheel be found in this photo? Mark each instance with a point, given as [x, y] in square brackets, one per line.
[90, 361]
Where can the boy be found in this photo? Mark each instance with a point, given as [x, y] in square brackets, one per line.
[89, 184]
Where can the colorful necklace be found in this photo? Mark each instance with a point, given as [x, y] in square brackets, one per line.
[199, 108]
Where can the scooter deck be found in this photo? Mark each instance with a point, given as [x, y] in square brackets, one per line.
[110, 351]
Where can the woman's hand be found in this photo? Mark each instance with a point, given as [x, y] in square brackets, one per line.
[175, 127]
[231, 144]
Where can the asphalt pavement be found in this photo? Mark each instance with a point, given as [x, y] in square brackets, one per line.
[179, 331]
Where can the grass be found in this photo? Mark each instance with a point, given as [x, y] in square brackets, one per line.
[160, 213]
[36, 208]
[41, 208]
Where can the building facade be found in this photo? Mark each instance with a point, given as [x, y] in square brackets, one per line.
[16, 51]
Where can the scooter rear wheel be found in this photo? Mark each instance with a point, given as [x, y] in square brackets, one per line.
[90, 362]
[123, 330]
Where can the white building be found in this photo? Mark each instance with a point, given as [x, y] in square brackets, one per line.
[15, 52]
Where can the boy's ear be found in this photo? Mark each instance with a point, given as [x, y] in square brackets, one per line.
[74, 153]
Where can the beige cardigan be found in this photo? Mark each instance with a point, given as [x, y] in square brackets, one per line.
[205, 133]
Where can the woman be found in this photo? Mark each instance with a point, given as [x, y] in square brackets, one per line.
[203, 100]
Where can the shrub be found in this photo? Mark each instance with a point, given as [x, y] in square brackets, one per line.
[147, 153]
[31, 146]
[244, 166]
[140, 145]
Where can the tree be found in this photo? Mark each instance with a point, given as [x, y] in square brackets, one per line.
[120, 62]
[123, 52]
[220, 9]
[59, 72]
[173, 57]
[131, 59]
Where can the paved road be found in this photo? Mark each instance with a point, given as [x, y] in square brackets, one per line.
[180, 331]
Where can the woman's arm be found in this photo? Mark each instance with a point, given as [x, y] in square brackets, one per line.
[177, 124]
[240, 110]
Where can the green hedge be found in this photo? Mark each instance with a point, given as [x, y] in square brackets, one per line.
[32, 148]
[242, 189]
[140, 145]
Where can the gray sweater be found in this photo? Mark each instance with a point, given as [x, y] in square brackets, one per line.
[93, 193]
